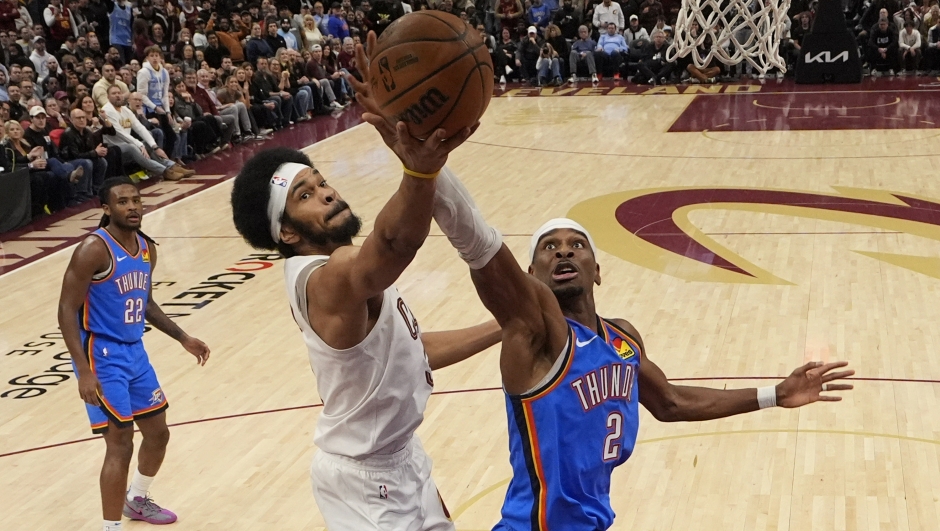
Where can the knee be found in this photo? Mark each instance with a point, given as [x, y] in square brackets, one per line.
[120, 445]
[159, 436]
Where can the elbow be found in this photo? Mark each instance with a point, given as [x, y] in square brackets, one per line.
[666, 409]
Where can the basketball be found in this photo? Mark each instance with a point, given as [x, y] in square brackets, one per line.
[431, 70]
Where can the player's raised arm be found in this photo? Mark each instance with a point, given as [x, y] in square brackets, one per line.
[534, 331]
[403, 224]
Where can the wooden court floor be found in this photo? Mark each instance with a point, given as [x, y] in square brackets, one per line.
[818, 283]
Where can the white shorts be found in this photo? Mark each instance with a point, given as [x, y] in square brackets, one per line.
[388, 492]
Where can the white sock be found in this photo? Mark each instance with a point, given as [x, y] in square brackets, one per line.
[463, 224]
[112, 525]
[139, 486]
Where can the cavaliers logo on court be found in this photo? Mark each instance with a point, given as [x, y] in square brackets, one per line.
[652, 227]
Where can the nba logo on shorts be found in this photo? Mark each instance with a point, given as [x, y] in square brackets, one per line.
[277, 180]
[383, 492]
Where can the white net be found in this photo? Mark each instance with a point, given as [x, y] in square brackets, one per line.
[731, 31]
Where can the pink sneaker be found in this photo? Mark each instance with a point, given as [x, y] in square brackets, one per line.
[144, 509]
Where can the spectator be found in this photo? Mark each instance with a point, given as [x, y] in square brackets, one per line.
[80, 143]
[610, 51]
[100, 90]
[910, 47]
[9, 12]
[568, 18]
[141, 39]
[882, 49]
[274, 40]
[932, 53]
[49, 194]
[336, 25]
[508, 12]
[203, 126]
[257, 47]
[77, 173]
[383, 13]
[347, 57]
[120, 17]
[145, 153]
[608, 12]
[287, 36]
[39, 56]
[58, 19]
[527, 55]
[315, 70]
[311, 35]
[582, 52]
[215, 52]
[634, 32]
[135, 102]
[539, 15]
[650, 12]
[153, 83]
[267, 88]
[548, 66]
[54, 118]
[653, 67]
[199, 86]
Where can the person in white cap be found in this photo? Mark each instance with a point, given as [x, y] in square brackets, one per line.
[371, 360]
[634, 31]
[572, 379]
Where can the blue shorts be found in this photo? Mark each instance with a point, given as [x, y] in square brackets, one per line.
[129, 387]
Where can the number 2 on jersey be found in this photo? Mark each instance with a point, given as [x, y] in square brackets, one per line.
[133, 310]
[615, 430]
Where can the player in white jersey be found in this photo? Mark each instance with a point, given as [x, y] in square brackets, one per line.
[372, 362]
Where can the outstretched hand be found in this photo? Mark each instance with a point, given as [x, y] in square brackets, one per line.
[423, 156]
[805, 384]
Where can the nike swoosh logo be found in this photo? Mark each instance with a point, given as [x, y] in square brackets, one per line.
[584, 344]
[121, 258]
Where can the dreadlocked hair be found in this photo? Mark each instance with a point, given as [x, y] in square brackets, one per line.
[104, 194]
[250, 194]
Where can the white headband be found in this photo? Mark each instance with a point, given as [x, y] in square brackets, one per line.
[280, 188]
[555, 224]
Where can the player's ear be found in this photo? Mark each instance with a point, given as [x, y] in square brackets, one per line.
[597, 274]
[289, 235]
[531, 271]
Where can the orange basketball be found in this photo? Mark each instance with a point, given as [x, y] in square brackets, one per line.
[431, 70]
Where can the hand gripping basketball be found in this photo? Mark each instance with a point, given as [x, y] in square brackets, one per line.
[427, 156]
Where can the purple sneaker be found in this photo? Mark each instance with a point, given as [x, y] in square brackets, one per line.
[144, 509]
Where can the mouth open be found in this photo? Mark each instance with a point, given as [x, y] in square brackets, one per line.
[564, 271]
[342, 207]
[133, 217]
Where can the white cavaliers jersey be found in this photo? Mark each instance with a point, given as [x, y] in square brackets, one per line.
[373, 394]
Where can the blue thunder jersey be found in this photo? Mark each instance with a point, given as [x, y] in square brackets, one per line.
[115, 305]
[567, 436]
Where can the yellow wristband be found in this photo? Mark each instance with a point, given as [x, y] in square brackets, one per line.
[420, 175]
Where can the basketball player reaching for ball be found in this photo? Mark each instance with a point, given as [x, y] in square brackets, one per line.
[572, 379]
[106, 295]
[371, 361]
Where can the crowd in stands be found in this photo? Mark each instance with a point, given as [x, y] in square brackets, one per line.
[95, 88]
[542, 42]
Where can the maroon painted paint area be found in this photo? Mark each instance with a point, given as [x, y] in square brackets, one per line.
[811, 112]
[650, 216]
[226, 163]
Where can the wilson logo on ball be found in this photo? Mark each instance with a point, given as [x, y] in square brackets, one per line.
[430, 103]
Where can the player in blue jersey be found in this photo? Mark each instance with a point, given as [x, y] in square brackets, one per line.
[106, 295]
[573, 380]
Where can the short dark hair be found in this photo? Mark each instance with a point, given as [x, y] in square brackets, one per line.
[250, 194]
[152, 49]
[104, 197]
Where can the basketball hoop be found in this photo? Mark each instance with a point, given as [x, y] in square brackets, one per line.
[739, 30]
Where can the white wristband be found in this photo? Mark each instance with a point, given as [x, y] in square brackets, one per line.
[767, 396]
